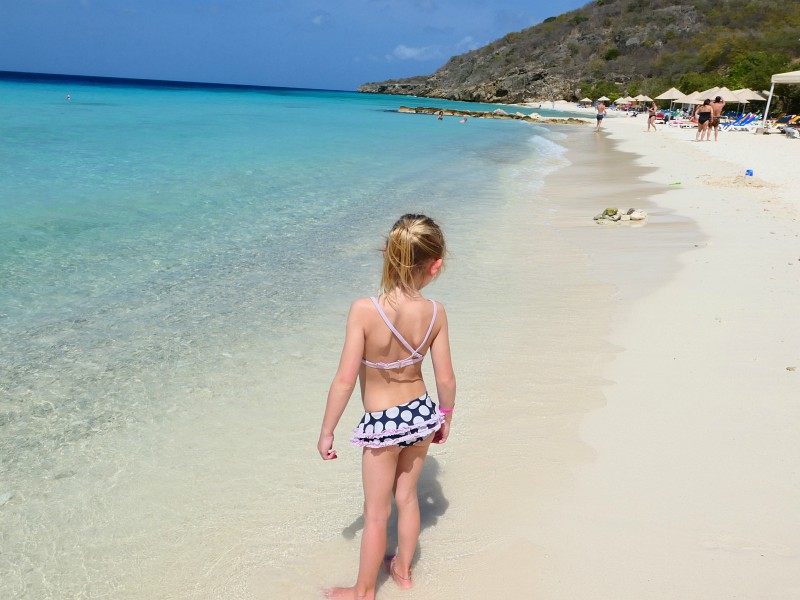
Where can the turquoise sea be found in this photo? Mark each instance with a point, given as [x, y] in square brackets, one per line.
[170, 259]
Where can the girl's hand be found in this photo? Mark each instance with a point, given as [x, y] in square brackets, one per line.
[440, 437]
[325, 447]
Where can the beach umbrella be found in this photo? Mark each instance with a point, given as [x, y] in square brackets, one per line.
[643, 98]
[694, 98]
[621, 100]
[671, 94]
[603, 99]
[709, 93]
[690, 99]
[586, 99]
[749, 95]
[727, 95]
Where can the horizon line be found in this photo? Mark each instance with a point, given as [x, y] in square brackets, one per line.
[146, 82]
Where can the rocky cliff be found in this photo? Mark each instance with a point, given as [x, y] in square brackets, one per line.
[622, 46]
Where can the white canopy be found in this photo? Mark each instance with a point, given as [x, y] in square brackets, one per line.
[603, 99]
[586, 100]
[671, 94]
[643, 98]
[790, 77]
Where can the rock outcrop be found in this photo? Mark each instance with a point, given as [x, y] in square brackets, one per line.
[495, 114]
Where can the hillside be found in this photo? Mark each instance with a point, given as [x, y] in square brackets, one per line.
[620, 47]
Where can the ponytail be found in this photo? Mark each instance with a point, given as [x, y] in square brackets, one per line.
[413, 242]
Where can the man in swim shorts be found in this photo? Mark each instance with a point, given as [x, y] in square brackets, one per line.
[716, 113]
[601, 112]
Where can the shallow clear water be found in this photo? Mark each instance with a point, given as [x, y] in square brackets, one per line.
[169, 264]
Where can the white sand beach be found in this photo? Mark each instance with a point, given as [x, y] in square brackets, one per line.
[692, 489]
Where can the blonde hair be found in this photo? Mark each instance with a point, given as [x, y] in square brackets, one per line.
[413, 242]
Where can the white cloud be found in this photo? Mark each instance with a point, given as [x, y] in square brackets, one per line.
[467, 44]
[321, 18]
[402, 52]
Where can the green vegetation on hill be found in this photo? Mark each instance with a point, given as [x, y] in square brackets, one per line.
[627, 47]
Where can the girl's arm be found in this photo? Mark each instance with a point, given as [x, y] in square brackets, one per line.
[444, 375]
[344, 381]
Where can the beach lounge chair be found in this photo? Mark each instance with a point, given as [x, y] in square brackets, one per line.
[746, 125]
[736, 122]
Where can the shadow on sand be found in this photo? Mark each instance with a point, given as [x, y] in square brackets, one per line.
[432, 505]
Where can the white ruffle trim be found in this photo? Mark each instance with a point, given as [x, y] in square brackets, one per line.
[414, 432]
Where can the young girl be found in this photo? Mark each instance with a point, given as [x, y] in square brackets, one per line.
[385, 342]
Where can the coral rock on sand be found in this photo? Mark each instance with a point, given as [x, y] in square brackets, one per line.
[612, 215]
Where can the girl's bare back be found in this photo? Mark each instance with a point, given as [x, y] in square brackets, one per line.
[412, 317]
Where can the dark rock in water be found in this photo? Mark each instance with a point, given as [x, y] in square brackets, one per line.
[496, 114]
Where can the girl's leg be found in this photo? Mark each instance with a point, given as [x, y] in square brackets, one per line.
[378, 467]
[409, 468]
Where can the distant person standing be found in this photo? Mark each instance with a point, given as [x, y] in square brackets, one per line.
[716, 114]
[703, 114]
[651, 116]
[601, 113]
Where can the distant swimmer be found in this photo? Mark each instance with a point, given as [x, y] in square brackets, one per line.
[441, 115]
[69, 97]
[464, 120]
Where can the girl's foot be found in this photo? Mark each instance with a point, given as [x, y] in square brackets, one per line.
[350, 593]
[403, 582]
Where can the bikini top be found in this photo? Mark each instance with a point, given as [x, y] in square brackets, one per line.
[415, 355]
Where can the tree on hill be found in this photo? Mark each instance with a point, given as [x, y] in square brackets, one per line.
[624, 47]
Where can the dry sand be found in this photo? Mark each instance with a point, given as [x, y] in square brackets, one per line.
[694, 487]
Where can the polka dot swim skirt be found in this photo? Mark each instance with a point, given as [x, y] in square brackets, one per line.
[403, 425]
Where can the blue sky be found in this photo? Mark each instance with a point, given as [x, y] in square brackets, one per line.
[333, 44]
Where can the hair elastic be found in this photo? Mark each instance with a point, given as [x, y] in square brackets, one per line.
[446, 411]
